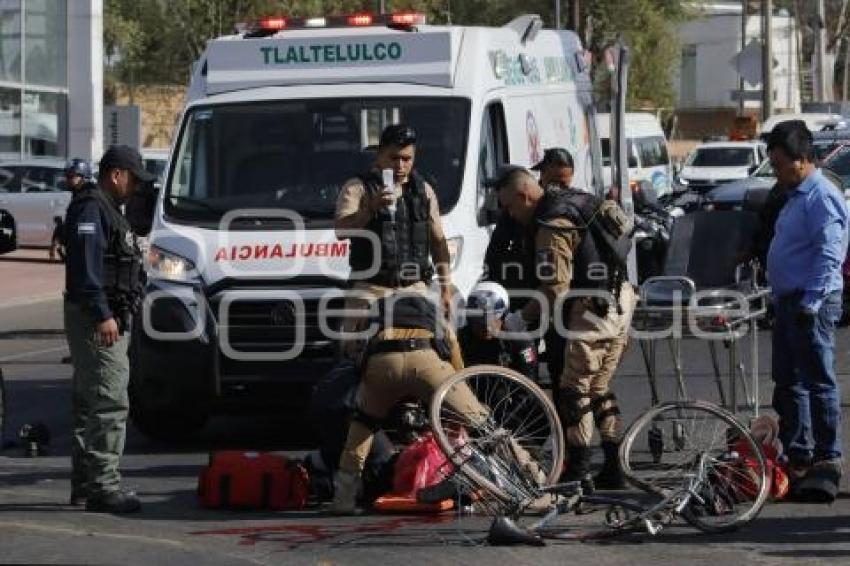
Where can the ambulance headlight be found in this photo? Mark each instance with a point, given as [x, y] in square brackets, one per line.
[167, 265]
[455, 251]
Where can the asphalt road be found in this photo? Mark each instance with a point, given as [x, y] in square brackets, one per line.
[36, 525]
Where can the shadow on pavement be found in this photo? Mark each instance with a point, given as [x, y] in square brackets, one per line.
[813, 533]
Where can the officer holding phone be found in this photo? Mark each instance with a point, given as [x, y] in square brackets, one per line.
[401, 211]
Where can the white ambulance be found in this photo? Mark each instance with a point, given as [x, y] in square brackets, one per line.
[244, 261]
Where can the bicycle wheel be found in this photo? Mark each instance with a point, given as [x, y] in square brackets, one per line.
[510, 444]
[714, 468]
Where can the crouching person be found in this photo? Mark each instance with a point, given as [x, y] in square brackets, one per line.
[410, 356]
[575, 234]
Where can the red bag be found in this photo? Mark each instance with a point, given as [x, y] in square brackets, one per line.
[421, 464]
[253, 480]
[776, 476]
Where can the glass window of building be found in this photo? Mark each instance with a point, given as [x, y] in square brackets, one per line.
[10, 40]
[44, 123]
[10, 123]
[45, 42]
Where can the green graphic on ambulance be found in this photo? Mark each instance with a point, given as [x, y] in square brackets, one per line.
[331, 53]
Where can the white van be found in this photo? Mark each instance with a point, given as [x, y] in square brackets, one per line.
[646, 148]
[277, 118]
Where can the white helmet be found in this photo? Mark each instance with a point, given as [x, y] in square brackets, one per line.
[488, 299]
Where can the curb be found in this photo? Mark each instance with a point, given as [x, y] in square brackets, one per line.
[24, 301]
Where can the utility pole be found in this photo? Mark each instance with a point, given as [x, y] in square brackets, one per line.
[822, 90]
[382, 6]
[767, 59]
[577, 27]
[744, 6]
[557, 14]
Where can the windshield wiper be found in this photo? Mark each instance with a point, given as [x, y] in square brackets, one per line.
[198, 202]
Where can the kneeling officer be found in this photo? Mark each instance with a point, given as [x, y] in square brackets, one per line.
[410, 356]
[102, 292]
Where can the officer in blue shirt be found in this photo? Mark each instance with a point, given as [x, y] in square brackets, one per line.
[804, 272]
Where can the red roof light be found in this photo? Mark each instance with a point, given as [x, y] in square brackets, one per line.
[407, 19]
[360, 20]
[273, 23]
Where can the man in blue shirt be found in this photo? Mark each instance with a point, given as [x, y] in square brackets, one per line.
[804, 271]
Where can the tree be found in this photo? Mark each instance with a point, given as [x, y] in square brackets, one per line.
[648, 27]
[156, 41]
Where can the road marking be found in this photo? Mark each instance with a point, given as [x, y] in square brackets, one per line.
[33, 353]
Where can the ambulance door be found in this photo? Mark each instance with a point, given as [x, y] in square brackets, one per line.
[492, 154]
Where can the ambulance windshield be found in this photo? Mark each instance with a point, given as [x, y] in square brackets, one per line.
[297, 154]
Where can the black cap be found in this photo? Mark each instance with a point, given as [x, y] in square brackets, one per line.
[125, 157]
[400, 135]
[555, 156]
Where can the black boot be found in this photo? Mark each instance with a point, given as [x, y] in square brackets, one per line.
[118, 501]
[578, 464]
[611, 476]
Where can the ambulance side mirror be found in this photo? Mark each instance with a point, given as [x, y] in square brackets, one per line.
[140, 208]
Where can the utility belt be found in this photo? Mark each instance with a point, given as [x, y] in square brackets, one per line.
[402, 345]
[123, 308]
[390, 279]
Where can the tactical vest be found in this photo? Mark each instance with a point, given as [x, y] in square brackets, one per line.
[591, 254]
[122, 262]
[405, 242]
[411, 312]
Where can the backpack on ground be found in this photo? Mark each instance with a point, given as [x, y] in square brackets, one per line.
[237, 479]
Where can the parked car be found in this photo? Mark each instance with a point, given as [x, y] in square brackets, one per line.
[839, 162]
[815, 121]
[715, 163]
[34, 193]
[8, 238]
[730, 196]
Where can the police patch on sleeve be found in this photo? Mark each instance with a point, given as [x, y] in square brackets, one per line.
[546, 264]
[85, 228]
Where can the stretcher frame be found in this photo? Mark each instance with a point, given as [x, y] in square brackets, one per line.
[717, 319]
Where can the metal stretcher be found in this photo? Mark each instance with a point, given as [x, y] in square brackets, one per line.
[705, 293]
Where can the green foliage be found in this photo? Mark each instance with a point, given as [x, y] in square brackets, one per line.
[648, 27]
[156, 41]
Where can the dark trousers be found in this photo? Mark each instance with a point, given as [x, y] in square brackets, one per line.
[806, 394]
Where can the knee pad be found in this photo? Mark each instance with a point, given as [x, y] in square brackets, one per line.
[604, 407]
[570, 408]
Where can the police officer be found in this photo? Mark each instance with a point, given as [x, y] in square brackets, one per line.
[556, 168]
[509, 259]
[102, 291]
[566, 253]
[77, 172]
[410, 355]
[411, 237]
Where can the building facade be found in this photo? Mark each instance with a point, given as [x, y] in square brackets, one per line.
[708, 78]
[51, 78]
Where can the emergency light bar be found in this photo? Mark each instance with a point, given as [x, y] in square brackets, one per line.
[270, 25]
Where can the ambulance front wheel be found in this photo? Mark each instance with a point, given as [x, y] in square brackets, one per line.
[174, 422]
[158, 409]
